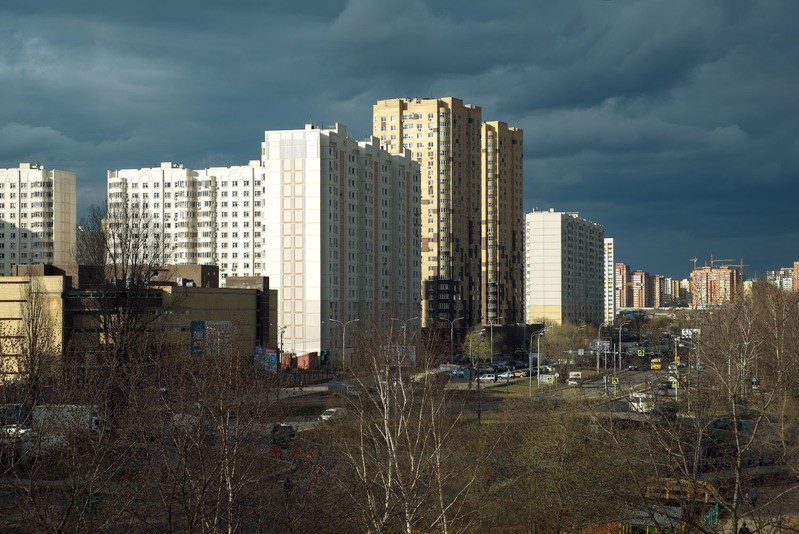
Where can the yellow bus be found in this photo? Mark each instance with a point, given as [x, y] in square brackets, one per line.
[655, 364]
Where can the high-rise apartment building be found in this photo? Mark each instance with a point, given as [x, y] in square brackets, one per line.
[502, 227]
[796, 277]
[622, 287]
[782, 278]
[37, 216]
[713, 286]
[564, 269]
[471, 198]
[207, 216]
[341, 235]
[609, 273]
[639, 283]
[333, 222]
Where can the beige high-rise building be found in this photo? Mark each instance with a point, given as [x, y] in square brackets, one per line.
[472, 216]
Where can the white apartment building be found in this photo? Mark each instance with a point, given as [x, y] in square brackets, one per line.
[341, 220]
[208, 216]
[609, 303]
[37, 216]
[564, 268]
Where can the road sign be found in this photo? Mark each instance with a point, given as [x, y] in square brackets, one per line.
[614, 380]
[641, 353]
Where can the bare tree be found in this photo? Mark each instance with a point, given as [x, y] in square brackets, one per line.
[398, 465]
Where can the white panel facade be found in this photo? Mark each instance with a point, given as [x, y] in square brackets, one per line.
[564, 268]
[343, 217]
[37, 216]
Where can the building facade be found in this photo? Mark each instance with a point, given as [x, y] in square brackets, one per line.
[564, 271]
[207, 217]
[471, 196]
[341, 220]
[609, 303]
[37, 216]
[623, 288]
[714, 286]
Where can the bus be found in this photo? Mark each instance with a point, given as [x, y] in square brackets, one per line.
[655, 364]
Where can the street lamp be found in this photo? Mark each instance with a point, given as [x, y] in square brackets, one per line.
[344, 338]
[621, 325]
[451, 335]
[404, 333]
[599, 337]
[491, 324]
[538, 366]
[481, 333]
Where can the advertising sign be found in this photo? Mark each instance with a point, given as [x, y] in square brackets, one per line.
[211, 337]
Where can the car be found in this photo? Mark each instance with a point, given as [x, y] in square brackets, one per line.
[505, 375]
[283, 435]
[332, 414]
[521, 372]
[457, 372]
[632, 367]
[487, 377]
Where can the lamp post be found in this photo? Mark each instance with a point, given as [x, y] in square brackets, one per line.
[344, 338]
[481, 333]
[599, 338]
[404, 334]
[451, 335]
[621, 325]
[491, 324]
[538, 366]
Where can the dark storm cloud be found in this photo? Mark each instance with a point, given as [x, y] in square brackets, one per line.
[673, 124]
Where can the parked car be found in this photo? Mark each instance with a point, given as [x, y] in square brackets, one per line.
[332, 414]
[457, 372]
[632, 367]
[505, 375]
[487, 377]
[283, 435]
[521, 372]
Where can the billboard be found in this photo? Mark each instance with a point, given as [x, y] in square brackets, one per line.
[401, 355]
[266, 359]
[600, 344]
[211, 337]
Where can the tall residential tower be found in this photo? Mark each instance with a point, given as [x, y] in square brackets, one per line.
[37, 216]
[471, 199]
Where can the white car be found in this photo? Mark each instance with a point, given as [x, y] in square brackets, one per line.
[487, 377]
[333, 413]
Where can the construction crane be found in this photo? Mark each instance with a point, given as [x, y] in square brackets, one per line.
[693, 260]
[714, 262]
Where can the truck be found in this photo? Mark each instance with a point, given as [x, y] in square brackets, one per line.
[575, 378]
[62, 418]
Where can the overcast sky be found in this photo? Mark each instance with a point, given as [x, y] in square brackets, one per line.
[674, 124]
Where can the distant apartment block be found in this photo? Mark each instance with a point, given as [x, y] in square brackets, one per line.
[622, 288]
[564, 268]
[208, 216]
[471, 199]
[37, 216]
[609, 305]
[782, 278]
[796, 277]
[639, 283]
[714, 286]
[341, 235]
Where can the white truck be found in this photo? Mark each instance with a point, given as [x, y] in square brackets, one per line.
[63, 418]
